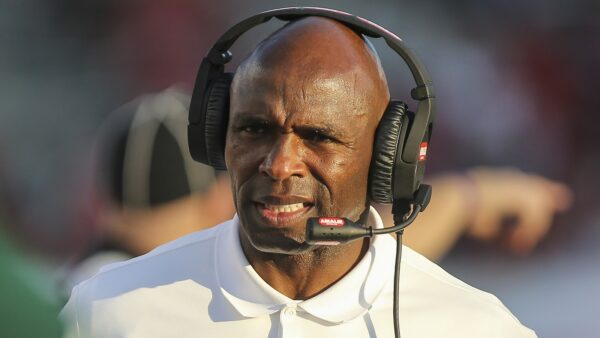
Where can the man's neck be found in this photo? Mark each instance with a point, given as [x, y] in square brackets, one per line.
[302, 276]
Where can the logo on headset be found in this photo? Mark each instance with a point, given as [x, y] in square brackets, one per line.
[331, 222]
[423, 151]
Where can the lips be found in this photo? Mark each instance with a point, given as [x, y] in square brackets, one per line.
[283, 211]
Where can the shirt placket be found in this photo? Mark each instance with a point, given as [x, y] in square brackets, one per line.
[289, 322]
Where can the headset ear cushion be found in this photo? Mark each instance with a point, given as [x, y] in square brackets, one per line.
[215, 123]
[388, 142]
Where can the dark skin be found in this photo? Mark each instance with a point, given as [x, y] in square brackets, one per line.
[299, 144]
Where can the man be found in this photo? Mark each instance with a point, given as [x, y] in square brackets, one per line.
[304, 109]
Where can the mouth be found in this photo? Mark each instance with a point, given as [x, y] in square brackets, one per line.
[281, 215]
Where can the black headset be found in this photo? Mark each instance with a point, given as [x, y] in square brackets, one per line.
[402, 137]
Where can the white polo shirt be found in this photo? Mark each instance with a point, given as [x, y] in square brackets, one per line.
[201, 285]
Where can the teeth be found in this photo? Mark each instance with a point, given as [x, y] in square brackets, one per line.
[285, 208]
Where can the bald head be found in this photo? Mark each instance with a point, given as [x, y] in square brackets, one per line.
[321, 52]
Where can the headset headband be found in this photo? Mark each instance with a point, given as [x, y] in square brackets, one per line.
[213, 64]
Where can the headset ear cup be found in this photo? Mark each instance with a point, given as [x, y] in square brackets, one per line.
[215, 123]
[388, 143]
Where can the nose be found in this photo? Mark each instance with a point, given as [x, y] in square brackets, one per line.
[284, 159]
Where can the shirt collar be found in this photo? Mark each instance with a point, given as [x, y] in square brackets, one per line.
[347, 299]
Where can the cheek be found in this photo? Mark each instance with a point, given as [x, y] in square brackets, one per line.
[352, 181]
[345, 177]
[242, 163]
[237, 158]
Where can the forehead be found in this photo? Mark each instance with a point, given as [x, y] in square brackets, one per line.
[302, 94]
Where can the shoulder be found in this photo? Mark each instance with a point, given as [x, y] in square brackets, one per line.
[182, 251]
[453, 305]
[163, 277]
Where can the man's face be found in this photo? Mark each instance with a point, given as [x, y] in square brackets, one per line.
[298, 145]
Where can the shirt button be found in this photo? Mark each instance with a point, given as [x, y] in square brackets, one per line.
[289, 312]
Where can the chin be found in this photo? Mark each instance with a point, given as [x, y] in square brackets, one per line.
[299, 249]
[279, 245]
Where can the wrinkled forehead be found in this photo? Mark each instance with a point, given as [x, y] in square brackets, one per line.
[320, 77]
[309, 83]
[328, 92]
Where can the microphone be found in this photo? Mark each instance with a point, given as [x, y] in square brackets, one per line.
[338, 230]
[334, 231]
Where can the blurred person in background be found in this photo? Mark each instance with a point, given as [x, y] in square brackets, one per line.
[491, 205]
[146, 188]
[27, 308]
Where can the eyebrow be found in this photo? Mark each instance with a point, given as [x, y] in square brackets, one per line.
[249, 118]
[324, 128]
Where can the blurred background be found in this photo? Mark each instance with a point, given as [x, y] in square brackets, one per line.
[517, 85]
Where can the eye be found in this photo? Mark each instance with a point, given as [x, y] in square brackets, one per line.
[254, 128]
[318, 136]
